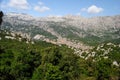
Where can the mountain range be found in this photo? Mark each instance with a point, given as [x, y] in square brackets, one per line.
[74, 31]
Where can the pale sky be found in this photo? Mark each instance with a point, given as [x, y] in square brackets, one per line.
[86, 8]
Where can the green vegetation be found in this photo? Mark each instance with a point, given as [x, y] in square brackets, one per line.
[31, 29]
[45, 61]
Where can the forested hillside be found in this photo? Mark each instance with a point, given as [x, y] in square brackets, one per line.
[23, 59]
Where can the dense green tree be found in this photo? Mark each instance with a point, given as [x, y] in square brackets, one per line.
[47, 72]
[104, 69]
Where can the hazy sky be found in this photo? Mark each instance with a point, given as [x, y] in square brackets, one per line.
[86, 8]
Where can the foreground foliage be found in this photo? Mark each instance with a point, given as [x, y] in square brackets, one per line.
[45, 61]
